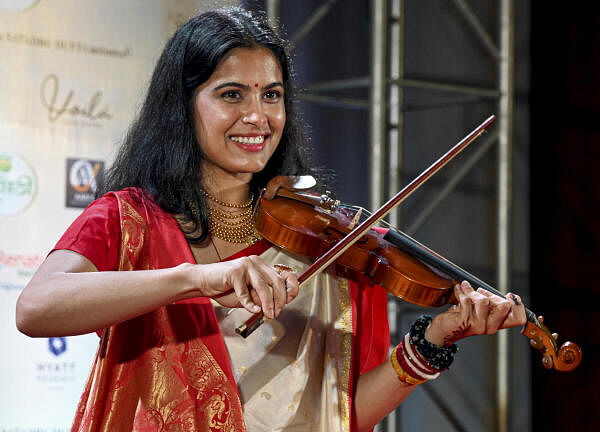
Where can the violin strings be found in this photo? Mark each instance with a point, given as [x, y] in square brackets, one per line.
[394, 228]
[367, 213]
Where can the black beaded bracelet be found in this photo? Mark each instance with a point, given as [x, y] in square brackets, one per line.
[438, 358]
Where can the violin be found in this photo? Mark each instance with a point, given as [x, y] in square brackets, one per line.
[291, 216]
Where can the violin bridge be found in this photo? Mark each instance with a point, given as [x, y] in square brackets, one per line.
[355, 220]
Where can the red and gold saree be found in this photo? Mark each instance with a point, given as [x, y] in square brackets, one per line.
[182, 368]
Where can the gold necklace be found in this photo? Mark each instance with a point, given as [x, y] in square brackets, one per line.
[235, 226]
[226, 204]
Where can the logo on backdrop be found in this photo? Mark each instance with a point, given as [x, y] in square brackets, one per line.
[17, 5]
[17, 268]
[56, 373]
[57, 345]
[69, 106]
[17, 183]
[83, 176]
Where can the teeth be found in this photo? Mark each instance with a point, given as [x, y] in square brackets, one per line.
[249, 140]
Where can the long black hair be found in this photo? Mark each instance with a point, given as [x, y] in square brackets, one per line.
[160, 152]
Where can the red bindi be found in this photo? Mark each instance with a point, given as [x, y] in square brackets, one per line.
[255, 84]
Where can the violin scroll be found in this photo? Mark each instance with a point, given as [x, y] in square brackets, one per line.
[564, 359]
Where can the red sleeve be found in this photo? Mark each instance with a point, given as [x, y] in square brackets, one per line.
[373, 329]
[370, 328]
[96, 234]
[371, 323]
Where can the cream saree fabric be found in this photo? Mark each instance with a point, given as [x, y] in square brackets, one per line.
[293, 373]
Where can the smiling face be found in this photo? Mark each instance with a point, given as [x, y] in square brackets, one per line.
[239, 114]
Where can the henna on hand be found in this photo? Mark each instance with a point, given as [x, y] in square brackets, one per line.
[460, 333]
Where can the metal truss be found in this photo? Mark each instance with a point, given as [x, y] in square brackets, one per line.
[386, 126]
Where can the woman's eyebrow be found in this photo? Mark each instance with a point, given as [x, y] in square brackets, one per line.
[275, 84]
[246, 87]
[232, 84]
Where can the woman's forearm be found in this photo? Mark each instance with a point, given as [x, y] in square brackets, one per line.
[378, 392]
[67, 296]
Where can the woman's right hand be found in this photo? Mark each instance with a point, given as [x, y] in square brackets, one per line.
[247, 282]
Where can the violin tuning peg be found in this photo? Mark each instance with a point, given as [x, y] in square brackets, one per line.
[547, 362]
[555, 336]
[536, 343]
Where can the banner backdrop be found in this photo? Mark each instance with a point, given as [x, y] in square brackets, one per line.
[73, 74]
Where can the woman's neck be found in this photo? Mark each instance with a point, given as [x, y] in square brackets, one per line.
[237, 195]
[230, 188]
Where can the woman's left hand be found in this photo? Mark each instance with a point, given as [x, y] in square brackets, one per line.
[478, 312]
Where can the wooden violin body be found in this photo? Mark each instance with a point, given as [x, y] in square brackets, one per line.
[310, 224]
[302, 226]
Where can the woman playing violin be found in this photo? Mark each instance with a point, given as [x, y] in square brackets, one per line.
[167, 262]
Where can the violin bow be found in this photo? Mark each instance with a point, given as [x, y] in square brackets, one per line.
[340, 247]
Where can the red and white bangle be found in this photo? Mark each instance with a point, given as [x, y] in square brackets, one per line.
[410, 366]
[415, 362]
[417, 357]
[439, 358]
[402, 370]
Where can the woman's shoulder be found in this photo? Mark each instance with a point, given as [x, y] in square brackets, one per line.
[131, 196]
[127, 194]
[114, 204]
